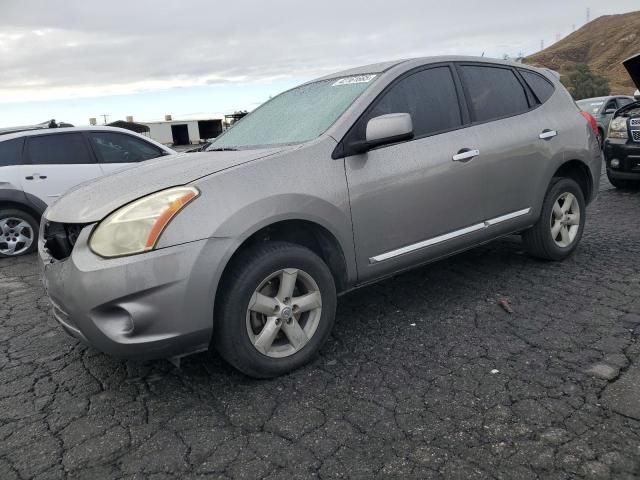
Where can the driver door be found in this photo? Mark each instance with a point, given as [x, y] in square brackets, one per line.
[410, 195]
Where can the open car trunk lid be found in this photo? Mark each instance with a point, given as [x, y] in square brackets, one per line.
[632, 64]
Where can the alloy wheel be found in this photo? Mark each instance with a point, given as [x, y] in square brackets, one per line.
[284, 313]
[16, 236]
[565, 219]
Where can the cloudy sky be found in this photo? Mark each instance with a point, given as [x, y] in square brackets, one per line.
[76, 59]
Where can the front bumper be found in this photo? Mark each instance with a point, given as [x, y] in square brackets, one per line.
[153, 305]
[628, 153]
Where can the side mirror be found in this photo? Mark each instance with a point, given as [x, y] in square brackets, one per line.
[610, 111]
[383, 130]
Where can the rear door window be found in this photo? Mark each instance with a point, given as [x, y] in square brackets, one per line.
[114, 147]
[428, 95]
[541, 87]
[493, 92]
[59, 149]
[11, 152]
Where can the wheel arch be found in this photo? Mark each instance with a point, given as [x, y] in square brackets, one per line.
[580, 172]
[17, 199]
[300, 231]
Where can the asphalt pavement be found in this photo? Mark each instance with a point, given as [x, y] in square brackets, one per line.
[487, 365]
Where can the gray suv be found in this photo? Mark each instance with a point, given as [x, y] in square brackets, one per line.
[327, 187]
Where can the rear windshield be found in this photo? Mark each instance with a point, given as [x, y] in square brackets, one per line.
[590, 106]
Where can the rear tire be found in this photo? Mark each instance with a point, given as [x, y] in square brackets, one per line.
[18, 233]
[263, 326]
[559, 229]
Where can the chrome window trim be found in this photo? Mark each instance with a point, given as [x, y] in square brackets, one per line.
[448, 236]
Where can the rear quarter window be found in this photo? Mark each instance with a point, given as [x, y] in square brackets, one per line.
[541, 87]
[10, 152]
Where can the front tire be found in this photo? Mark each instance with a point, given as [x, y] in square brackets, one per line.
[18, 233]
[622, 184]
[559, 229]
[275, 309]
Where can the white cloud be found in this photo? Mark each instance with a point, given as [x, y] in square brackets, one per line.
[71, 49]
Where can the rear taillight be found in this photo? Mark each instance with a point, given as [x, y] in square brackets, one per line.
[592, 121]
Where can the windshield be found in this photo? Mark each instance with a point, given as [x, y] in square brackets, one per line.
[295, 116]
[593, 107]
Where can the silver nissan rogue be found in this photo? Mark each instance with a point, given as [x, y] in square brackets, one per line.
[329, 186]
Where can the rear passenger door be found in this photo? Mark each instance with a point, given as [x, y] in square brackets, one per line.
[119, 150]
[56, 162]
[515, 138]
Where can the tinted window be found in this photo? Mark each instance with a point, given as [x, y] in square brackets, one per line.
[67, 148]
[121, 148]
[10, 152]
[611, 105]
[429, 96]
[624, 101]
[493, 92]
[542, 87]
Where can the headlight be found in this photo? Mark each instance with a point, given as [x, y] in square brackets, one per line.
[618, 128]
[136, 227]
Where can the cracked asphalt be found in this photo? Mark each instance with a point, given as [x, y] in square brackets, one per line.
[425, 376]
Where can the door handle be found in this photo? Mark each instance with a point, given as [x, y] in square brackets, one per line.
[547, 134]
[465, 155]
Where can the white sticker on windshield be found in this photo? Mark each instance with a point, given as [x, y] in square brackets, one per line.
[356, 79]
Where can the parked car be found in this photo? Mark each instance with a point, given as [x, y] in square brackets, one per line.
[38, 166]
[602, 109]
[622, 147]
[365, 173]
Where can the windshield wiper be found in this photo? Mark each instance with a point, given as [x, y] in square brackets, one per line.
[223, 149]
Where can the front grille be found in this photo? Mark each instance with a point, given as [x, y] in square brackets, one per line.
[60, 238]
[635, 134]
[634, 122]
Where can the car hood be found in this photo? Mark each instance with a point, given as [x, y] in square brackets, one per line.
[632, 64]
[92, 201]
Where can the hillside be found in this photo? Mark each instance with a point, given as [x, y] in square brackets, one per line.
[602, 44]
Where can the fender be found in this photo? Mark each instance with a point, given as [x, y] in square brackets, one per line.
[255, 216]
[20, 197]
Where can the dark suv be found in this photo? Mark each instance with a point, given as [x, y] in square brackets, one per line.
[603, 109]
[622, 146]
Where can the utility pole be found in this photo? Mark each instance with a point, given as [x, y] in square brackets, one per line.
[105, 118]
[588, 14]
[541, 45]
